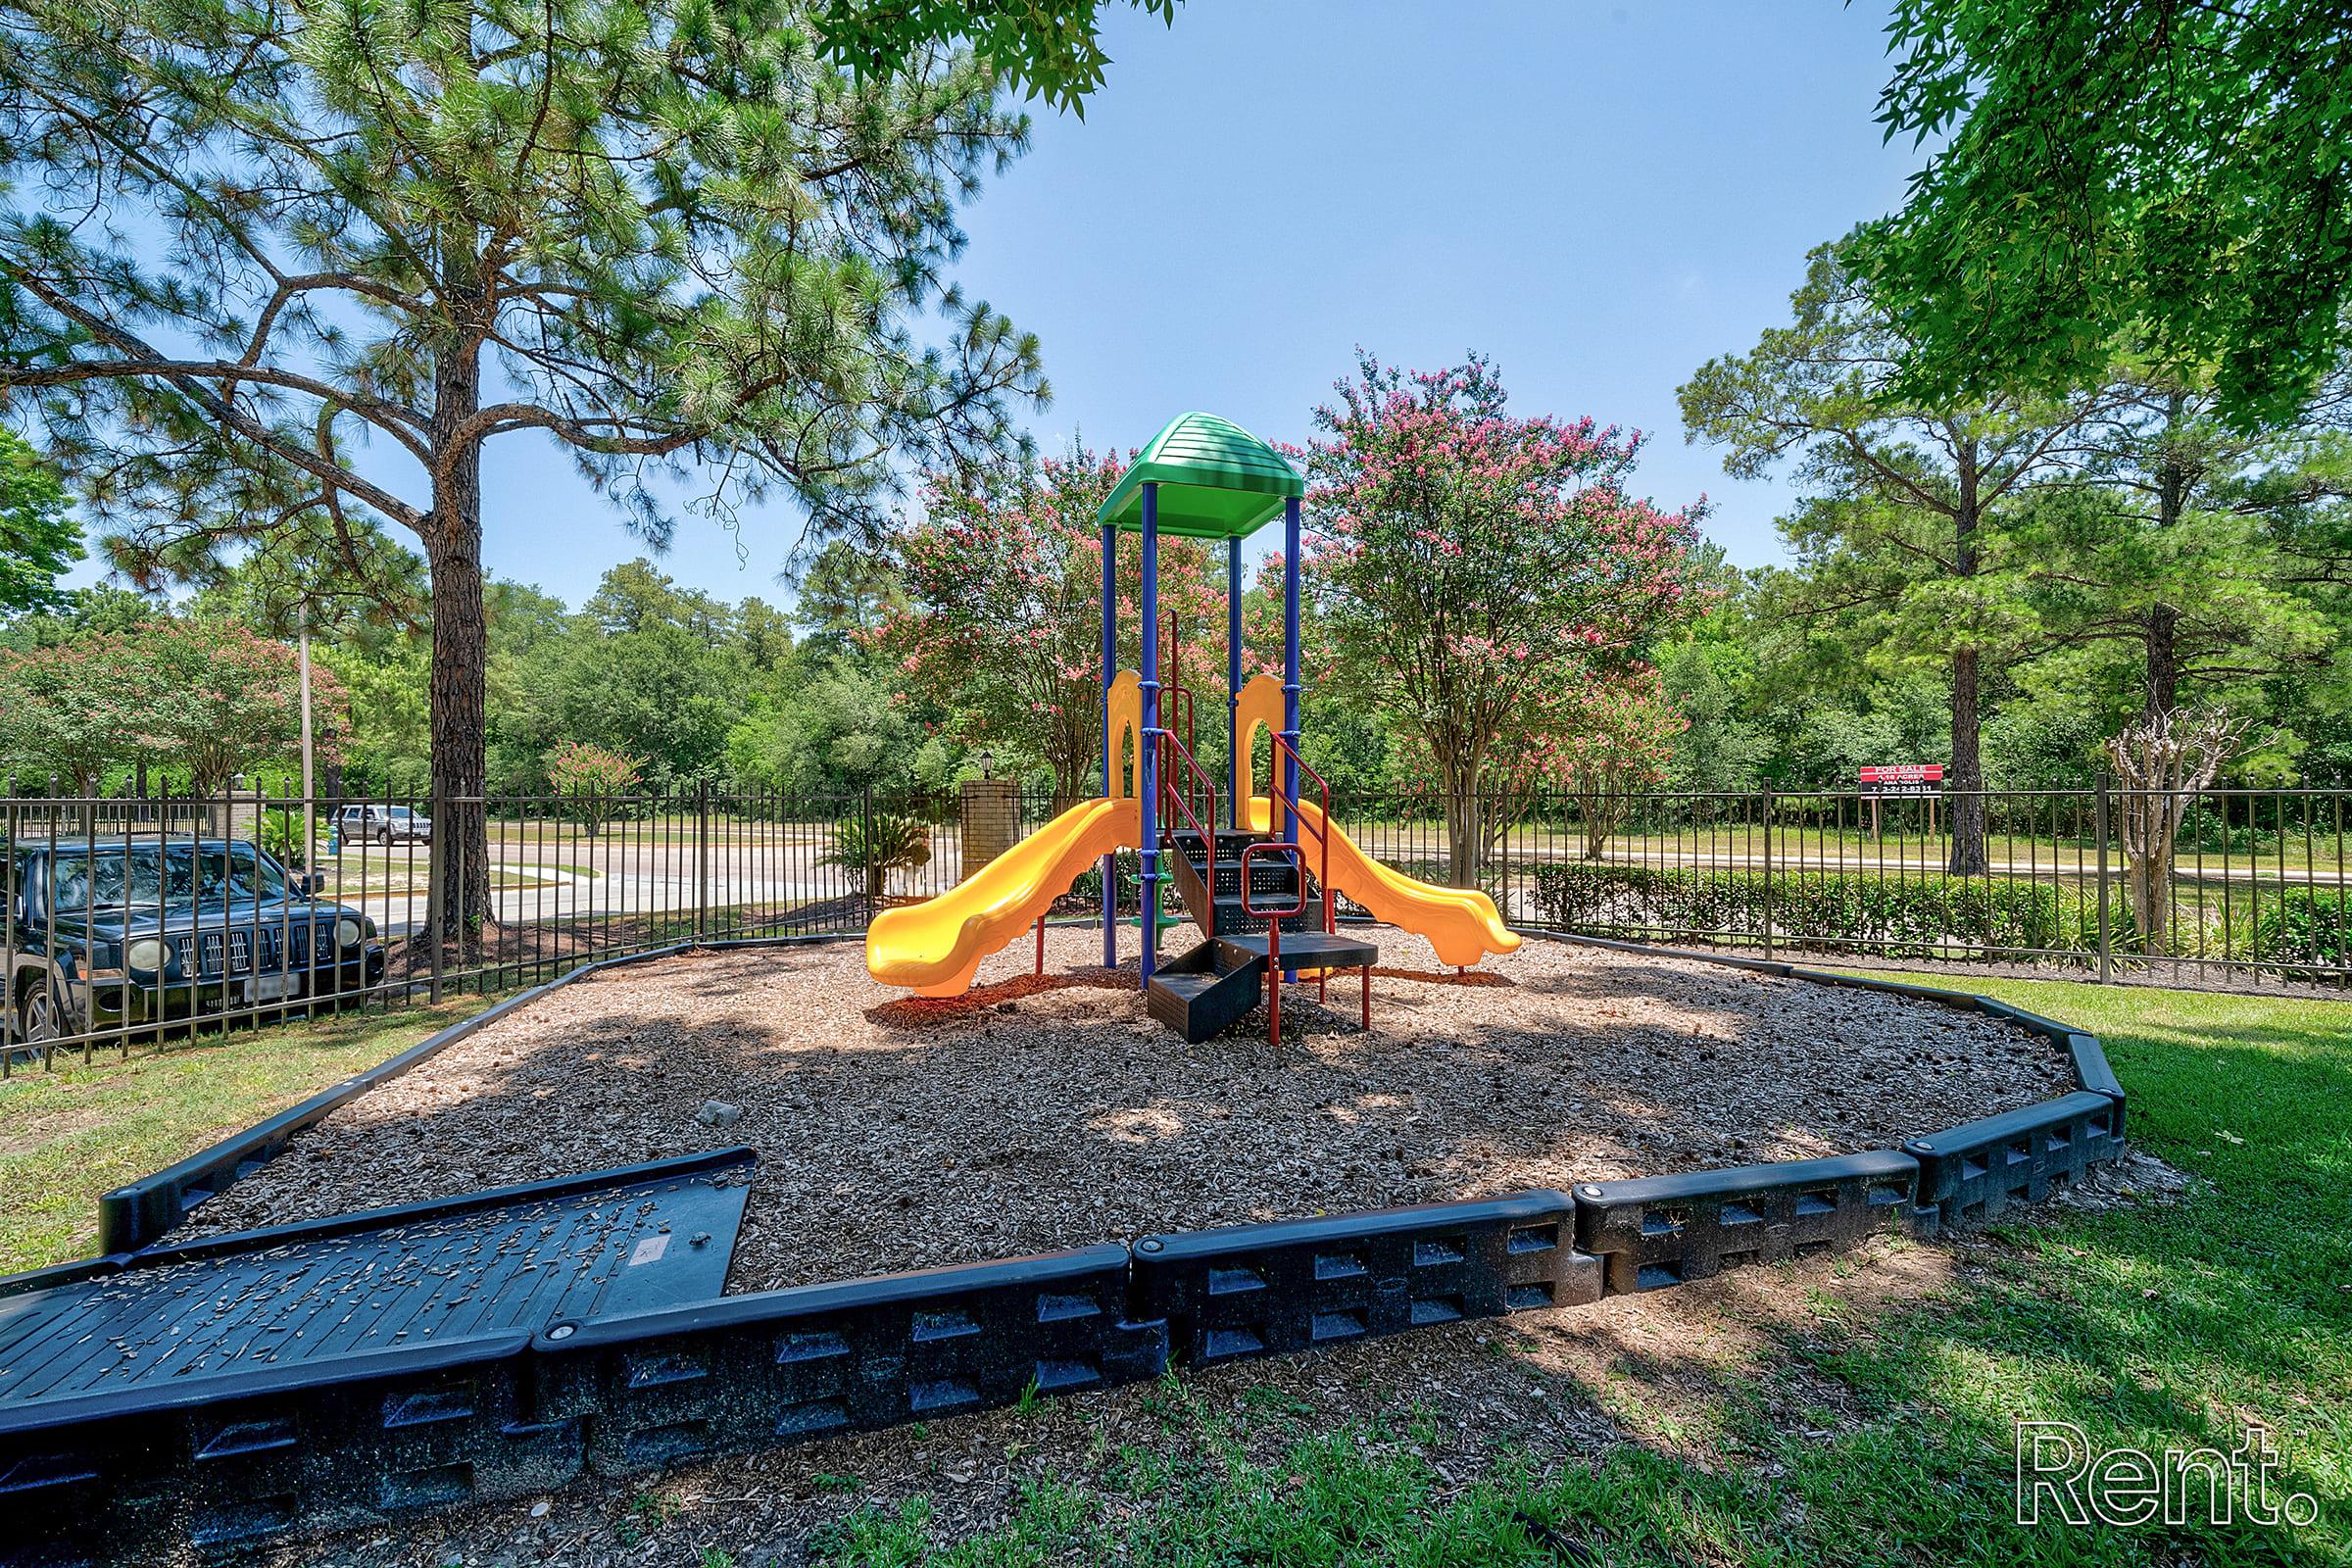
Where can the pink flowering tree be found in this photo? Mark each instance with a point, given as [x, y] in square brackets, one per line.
[221, 699]
[195, 698]
[588, 781]
[1470, 564]
[1002, 618]
[1607, 738]
[70, 710]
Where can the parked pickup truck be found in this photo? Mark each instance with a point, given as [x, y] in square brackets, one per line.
[108, 933]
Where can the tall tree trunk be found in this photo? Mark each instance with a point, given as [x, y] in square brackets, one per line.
[1966, 785]
[461, 658]
[2162, 636]
[1465, 824]
[2163, 630]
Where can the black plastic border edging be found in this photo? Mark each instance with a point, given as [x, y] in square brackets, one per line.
[1657, 1231]
[138, 1213]
[1243, 1290]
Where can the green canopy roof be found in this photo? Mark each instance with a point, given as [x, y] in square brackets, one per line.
[1216, 480]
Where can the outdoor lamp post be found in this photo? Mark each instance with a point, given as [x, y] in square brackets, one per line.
[986, 760]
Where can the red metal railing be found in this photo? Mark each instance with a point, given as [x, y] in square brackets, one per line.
[1320, 828]
[1274, 918]
[1177, 701]
[1174, 790]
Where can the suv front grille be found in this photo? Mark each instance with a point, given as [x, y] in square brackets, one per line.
[231, 952]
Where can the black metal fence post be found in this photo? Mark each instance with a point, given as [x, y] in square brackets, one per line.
[1767, 871]
[701, 860]
[436, 888]
[2099, 810]
[9, 1042]
[863, 869]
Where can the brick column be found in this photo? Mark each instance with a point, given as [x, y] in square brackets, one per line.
[991, 820]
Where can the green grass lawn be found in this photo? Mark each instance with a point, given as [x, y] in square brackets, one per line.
[69, 1135]
[2153, 1327]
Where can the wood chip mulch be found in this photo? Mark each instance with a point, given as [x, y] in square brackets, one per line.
[1037, 1113]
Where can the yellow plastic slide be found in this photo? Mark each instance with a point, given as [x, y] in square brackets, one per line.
[935, 946]
[1460, 923]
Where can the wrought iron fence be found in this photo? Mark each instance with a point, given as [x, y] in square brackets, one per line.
[130, 924]
[2258, 890]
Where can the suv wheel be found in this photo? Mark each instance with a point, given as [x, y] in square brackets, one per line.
[40, 1014]
[383, 836]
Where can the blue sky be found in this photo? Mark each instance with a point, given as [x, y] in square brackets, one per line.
[1599, 196]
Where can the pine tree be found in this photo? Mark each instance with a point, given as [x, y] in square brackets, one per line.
[265, 264]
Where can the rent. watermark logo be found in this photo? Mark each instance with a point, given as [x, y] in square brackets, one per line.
[2059, 1472]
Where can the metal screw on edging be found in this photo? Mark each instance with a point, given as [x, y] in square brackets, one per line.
[1150, 1244]
[1591, 1191]
[562, 1331]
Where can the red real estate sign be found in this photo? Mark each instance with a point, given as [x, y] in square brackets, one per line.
[1905, 778]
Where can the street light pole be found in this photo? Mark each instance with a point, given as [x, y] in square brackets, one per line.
[308, 791]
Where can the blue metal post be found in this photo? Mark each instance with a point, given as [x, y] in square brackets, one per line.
[1110, 755]
[1289, 666]
[1147, 759]
[1239, 765]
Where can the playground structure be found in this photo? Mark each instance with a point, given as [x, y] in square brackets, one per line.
[1260, 874]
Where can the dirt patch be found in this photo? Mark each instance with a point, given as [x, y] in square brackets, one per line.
[1035, 1114]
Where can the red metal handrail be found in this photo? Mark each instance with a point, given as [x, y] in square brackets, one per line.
[1319, 829]
[1274, 918]
[1173, 685]
[1181, 702]
[1170, 789]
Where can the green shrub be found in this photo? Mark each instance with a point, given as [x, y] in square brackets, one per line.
[1914, 917]
[879, 844]
[283, 837]
[1126, 879]
[2305, 932]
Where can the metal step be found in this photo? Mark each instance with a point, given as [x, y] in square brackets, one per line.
[1268, 878]
[1304, 950]
[1232, 918]
[1200, 996]
[1231, 840]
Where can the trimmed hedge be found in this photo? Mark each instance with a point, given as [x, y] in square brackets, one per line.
[1919, 916]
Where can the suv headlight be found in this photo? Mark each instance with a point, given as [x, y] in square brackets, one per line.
[148, 953]
[348, 932]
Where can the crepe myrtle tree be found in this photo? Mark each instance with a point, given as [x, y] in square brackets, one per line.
[1468, 563]
[588, 780]
[219, 699]
[261, 263]
[208, 698]
[1605, 739]
[68, 712]
[1002, 613]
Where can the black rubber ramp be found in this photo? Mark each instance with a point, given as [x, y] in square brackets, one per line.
[179, 1325]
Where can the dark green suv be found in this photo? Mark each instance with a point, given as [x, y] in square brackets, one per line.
[101, 935]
